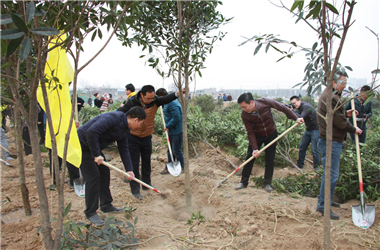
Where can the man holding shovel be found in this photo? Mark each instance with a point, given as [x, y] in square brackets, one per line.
[261, 129]
[94, 136]
[173, 120]
[140, 140]
[340, 127]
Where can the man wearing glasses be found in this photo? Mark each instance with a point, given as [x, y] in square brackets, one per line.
[340, 127]
[140, 140]
[311, 134]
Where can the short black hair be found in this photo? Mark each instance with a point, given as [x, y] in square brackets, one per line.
[365, 88]
[136, 112]
[161, 92]
[147, 88]
[245, 97]
[130, 87]
[294, 97]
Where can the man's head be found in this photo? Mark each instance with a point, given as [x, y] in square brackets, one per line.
[295, 100]
[147, 94]
[129, 88]
[364, 92]
[340, 81]
[136, 117]
[161, 92]
[246, 102]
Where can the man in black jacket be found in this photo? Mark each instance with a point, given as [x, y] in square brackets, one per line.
[94, 136]
[311, 134]
[140, 140]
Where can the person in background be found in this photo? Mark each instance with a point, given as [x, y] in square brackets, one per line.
[97, 102]
[261, 129]
[110, 100]
[105, 103]
[224, 97]
[6, 156]
[129, 91]
[311, 134]
[140, 140]
[80, 103]
[41, 124]
[365, 112]
[94, 136]
[340, 127]
[89, 101]
[173, 122]
[229, 97]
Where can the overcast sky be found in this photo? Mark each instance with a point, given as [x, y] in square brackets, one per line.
[233, 66]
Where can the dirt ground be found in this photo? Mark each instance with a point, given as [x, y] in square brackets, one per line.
[245, 219]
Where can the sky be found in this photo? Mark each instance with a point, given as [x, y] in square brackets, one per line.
[231, 66]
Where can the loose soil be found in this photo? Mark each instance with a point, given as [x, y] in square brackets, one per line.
[247, 219]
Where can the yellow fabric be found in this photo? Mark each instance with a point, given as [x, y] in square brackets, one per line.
[131, 94]
[60, 103]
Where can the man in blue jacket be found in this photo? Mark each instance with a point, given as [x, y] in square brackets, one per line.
[94, 136]
[173, 120]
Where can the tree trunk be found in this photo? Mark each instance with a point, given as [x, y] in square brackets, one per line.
[20, 162]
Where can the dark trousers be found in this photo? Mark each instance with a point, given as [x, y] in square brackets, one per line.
[71, 169]
[140, 147]
[176, 145]
[269, 159]
[97, 178]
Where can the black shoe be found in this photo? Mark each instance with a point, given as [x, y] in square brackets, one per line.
[241, 186]
[332, 215]
[112, 209]
[165, 171]
[71, 185]
[268, 188]
[138, 196]
[335, 204]
[95, 219]
[145, 188]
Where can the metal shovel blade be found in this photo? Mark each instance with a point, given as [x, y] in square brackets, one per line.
[79, 187]
[363, 218]
[174, 168]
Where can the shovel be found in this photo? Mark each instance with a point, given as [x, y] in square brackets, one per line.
[363, 216]
[174, 167]
[80, 185]
[262, 150]
[136, 180]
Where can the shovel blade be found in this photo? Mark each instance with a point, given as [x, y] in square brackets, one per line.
[174, 168]
[364, 219]
[80, 187]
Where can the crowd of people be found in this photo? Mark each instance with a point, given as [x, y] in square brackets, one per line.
[131, 125]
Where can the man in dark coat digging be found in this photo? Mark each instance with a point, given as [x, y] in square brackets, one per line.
[94, 136]
[261, 129]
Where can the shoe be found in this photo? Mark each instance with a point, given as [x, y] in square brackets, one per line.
[138, 196]
[268, 188]
[165, 171]
[111, 209]
[333, 216]
[335, 204]
[241, 186]
[95, 219]
[71, 185]
[145, 188]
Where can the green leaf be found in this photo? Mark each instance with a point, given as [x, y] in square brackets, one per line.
[11, 34]
[315, 46]
[30, 10]
[257, 48]
[348, 67]
[25, 48]
[332, 8]
[5, 19]
[93, 36]
[45, 31]
[39, 12]
[67, 210]
[20, 24]
[13, 45]
[100, 34]
[295, 5]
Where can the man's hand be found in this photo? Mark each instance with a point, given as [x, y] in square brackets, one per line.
[358, 131]
[166, 129]
[99, 159]
[349, 112]
[256, 153]
[131, 176]
[183, 92]
[77, 124]
[300, 120]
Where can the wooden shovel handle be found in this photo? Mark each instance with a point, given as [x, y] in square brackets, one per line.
[126, 174]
